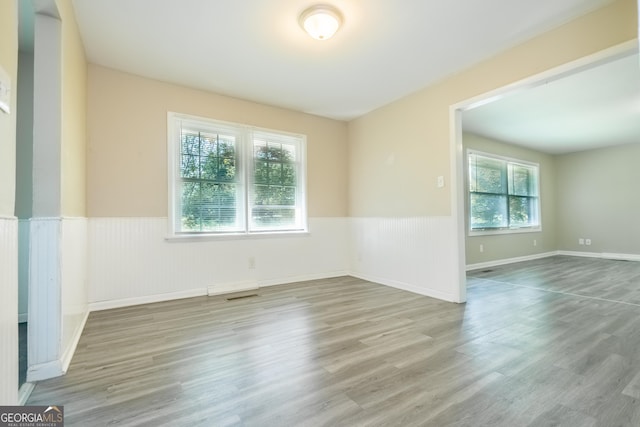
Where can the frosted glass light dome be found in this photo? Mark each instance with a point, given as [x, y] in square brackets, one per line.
[321, 21]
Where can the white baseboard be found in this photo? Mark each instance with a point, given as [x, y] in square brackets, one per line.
[510, 260]
[407, 287]
[68, 355]
[603, 255]
[580, 254]
[44, 371]
[228, 288]
[148, 299]
[24, 393]
[622, 257]
[302, 278]
[211, 290]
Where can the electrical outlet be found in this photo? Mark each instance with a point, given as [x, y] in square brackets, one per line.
[581, 241]
[252, 263]
[440, 181]
[481, 247]
[535, 242]
[587, 242]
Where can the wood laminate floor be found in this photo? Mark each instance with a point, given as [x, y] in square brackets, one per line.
[554, 342]
[22, 353]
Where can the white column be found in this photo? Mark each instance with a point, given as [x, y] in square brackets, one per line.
[45, 324]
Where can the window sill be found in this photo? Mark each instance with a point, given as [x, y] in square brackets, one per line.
[472, 233]
[204, 237]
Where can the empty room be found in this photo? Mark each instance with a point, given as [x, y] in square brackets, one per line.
[320, 213]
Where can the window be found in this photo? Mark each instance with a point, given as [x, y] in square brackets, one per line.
[234, 179]
[503, 194]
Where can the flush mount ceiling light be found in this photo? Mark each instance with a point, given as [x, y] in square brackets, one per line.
[321, 21]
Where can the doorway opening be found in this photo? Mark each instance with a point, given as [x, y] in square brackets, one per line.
[457, 145]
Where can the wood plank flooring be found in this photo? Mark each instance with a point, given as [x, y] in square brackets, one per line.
[22, 353]
[553, 342]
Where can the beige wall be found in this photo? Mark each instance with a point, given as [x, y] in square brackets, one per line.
[598, 199]
[396, 154]
[8, 226]
[503, 246]
[397, 151]
[127, 148]
[74, 117]
[9, 62]
[24, 137]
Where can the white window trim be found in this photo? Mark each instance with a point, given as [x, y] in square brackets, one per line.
[510, 230]
[173, 174]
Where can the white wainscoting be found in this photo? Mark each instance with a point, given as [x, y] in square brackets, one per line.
[131, 262]
[74, 274]
[8, 311]
[415, 254]
[44, 299]
[58, 305]
[23, 269]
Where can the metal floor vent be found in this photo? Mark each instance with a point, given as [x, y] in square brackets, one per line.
[241, 297]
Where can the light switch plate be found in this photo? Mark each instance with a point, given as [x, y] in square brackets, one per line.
[5, 91]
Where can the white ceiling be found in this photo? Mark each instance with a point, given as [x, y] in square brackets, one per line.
[594, 108]
[255, 49]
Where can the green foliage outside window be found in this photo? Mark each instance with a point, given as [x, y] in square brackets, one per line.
[229, 178]
[502, 194]
[274, 185]
[208, 180]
